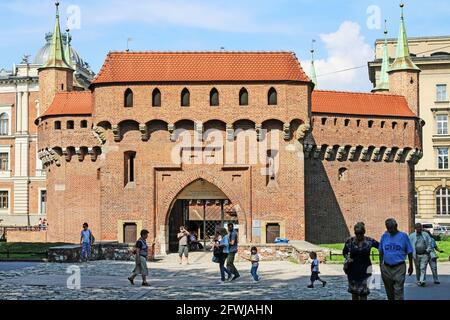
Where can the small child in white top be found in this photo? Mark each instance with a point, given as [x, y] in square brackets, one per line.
[254, 259]
[315, 270]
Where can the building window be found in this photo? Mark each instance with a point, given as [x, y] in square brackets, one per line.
[128, 99]
[83, 124]
[43, 201]
[4, 124]
[156, 98]
[394, 125]
[442, 124]
[346, 122]
[185, 98]
[214, 98]
[370, 123]
[70, 125]
[4, 166]
[272, 97]
[243, 97]
[442, 201]
[57, 125]
[441, 92]
[442, 158]
[4, 199]
[129, 158]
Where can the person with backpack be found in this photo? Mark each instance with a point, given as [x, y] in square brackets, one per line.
[141, 252]
[86, 241]
[183, 244]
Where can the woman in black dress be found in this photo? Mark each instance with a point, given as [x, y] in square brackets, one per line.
[358, 266]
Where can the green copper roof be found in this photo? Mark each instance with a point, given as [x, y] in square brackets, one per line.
[383, 84]
[56, 57]
[67, 51]
[403, 59]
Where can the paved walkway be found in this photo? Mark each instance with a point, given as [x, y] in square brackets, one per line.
[102, 280]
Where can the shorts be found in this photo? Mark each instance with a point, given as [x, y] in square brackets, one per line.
[183, 250]
[141, 266]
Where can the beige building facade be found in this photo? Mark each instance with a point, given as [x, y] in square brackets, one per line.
[432, 175]
[23, 194]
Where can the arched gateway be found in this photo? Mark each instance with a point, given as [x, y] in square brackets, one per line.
[202, 208]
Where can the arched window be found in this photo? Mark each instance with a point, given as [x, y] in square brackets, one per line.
[342, 174]
[214, 98]
[243, 97]
[272, 99]
[4, 124]
[185, 98]
[57, 125]
[128, 102]
[442, 201]
[156, 98]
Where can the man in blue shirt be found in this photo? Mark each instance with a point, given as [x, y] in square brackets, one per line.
[233, 249]
[393, 249]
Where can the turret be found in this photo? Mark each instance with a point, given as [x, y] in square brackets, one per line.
[313, 67]
[56, 75]
[403, 73]
[383, 83]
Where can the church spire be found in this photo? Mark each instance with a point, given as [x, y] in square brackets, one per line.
[67, 49]
[403, 59]
[56, 56]
[383, 83]
[313, 67]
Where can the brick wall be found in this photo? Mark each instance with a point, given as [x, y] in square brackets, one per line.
[26, 236]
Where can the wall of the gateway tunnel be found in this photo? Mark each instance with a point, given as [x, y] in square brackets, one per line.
[340, 194]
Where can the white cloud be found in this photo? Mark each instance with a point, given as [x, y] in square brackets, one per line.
[346, 49]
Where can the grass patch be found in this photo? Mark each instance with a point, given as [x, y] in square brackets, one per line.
[443, 245]
[25, 251]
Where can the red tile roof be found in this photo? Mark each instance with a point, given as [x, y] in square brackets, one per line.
[200, 66]
[71, 103]
[354, 103]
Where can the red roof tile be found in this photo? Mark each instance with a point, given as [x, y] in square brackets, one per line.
[200, 66]
[71, 103]
[354, 103]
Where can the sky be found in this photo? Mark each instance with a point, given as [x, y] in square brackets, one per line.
[344, 30]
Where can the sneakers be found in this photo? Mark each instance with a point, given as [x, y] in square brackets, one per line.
[437, 282]
[145, 284]
[324, 283]
[131, 280]
[310, 286]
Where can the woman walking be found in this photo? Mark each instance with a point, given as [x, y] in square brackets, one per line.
[141, 250]
[358, 266]
[221, 250]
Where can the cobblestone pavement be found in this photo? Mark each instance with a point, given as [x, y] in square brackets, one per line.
[107, 280]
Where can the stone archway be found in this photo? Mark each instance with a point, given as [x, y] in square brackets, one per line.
[168, 202]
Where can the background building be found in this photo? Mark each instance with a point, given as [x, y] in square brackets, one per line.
[432, 56]
[23, 195]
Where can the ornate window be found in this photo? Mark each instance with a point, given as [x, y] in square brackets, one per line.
[442, 158]
[185, 98]
[441, 92]
[243, 97]
[4, 161]
[214, 98]
[156, 98]
[4, 199]
[272, 97]
[4, 124]
[442, 201]
[442, 124]
[128, 98]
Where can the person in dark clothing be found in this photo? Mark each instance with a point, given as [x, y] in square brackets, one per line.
[358, 266]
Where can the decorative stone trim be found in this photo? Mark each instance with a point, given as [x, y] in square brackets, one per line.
[230, 132]
[259, 131]
[144, 132]
[93, 153]
[171, 129]
[302, 132]
[365, 154]
[287, 131]
[116, 131]
[80, 152]
[198, 127]
[100, 134]
[67, 152]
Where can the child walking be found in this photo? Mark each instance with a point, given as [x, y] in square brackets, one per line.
[315, 270]
[254, 259]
